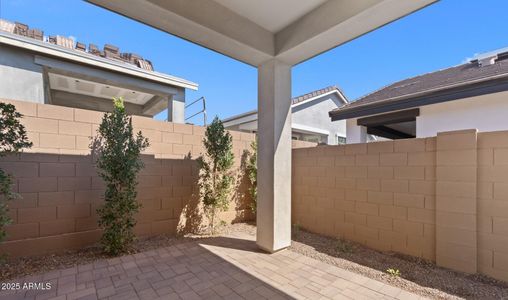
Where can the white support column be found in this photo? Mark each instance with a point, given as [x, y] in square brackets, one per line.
[176, 109]
[274, 156]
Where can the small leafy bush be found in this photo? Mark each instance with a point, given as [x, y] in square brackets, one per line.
[393, 272]
[215, 170]
[13, 139]
[118, 160]
[252, 173]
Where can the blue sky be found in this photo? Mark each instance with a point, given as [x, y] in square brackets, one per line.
[442, 35]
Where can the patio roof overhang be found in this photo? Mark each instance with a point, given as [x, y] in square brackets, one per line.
[256, 31]
[272, 35]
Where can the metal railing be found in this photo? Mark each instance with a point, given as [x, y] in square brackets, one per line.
[202, 111]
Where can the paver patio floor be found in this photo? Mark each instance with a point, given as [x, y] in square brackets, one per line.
[229, 267]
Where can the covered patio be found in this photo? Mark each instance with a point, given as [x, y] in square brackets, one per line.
[272, 36]
[225, 267]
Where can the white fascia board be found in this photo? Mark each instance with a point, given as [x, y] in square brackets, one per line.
[240, 119]
[341, 97]
[92, 60]
[309, 129]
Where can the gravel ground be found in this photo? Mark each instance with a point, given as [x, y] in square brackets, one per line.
[416, 275]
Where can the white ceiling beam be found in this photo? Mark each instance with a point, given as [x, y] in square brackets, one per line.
[211, 25]
[203, 22]
[337, 22]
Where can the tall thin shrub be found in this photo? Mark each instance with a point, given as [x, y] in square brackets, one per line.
[118, 161]
[252, 174]
[215, 170]
[13, 139]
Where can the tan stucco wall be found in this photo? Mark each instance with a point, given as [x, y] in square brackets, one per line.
[61, 190]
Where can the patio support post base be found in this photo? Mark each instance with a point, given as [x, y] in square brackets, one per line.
[274, 156]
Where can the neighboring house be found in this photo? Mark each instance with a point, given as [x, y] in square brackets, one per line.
[57, 70]
[310, 120]
[473, 95]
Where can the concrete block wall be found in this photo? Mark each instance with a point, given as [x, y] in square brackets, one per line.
[443, 198]
[61, 190]
[379, 194]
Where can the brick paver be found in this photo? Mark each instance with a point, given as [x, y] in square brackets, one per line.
[229, 267]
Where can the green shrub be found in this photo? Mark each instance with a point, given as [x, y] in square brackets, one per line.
[13, 139]
[393, 272]
[252, 173]
[118, 160]
[215, 174]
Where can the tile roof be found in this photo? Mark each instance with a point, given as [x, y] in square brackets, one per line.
[439, 80]
[109, 51]
[313, 94]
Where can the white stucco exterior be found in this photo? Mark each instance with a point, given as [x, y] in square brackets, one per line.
[484, 113]
[310, 120]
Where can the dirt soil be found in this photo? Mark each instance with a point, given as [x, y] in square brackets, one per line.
[416, 275]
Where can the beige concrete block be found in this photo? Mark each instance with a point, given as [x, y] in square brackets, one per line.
[409, 145]
[485, 224]
[494, 139]
[22, 231]
[139, 123]
[366, 233]
[153, 135]
[57, 169]
[355, 218]
[445, 235]
[368, 184]
[380, 147]
[38, 214]
[182, 149]
[34, 137]
[430, 144]
[409, 172]
[430, 202]
[83, 142]
[455, 264]
[422, 159]
[380, 197]
[356, 195]
[74, 183]
[380, 172]
[408, 227]
[20, 169]
[56, 198]
[380, 222]
[409, 200]
[493, 208]
[501, 191]
[195, 140]
[422, 187]
[355, 149]
[393, 159]
[325, 161]
[395, 212]
[463, 139]
[430, 173]
[493, 173]
[55, 112]
[356, 172]
[48, 140]
[493, 242]
[73, 211]
[459, 252]
[23, 107]
[367, 208]
[501, 261]
[456, 204]
[57, 227]
[367, 160]
[457, 158]
[456, 173]
[187, 129]
[500, 226]
[396, 239]
[501, 156]
[456, 220]
[34, 124]
[396, 186]
[485, 157]
[345, 160]
[88, 116]
[421, 215]
[456, 189]
[74, 128]
[37, 184]
[348, 206]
